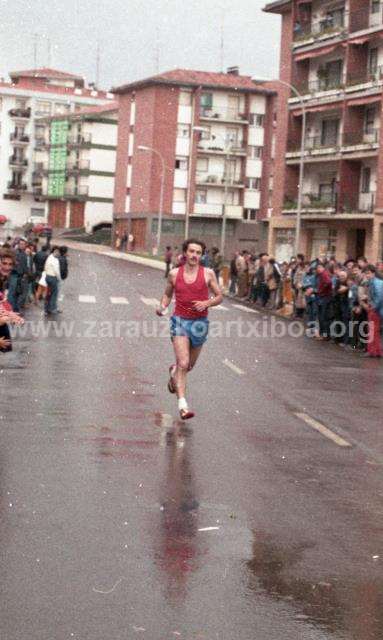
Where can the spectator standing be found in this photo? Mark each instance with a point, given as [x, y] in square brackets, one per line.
[18, 281]
[241, 265]
[168, 260]
[233, 274]
[216, 262]
[53, 278]
[324, 296]
[124, 241]
[375, 312]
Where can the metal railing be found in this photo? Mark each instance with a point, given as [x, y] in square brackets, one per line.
[76, 191]
[370, 75]
[16, 186]
[237, 147]
[312, 202]
[313, 143]
[20, 162]
[214, 180]
[360, 203]
[20, 113]
[321, 84]
[327, 25]
[218, 113]
[369, 136]
[18, 137]
[80, 139]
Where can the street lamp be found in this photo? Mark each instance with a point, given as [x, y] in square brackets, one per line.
[227, 144]
[142, 147]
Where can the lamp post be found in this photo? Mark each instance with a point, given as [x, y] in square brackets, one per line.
[227, 149]
[142, 147]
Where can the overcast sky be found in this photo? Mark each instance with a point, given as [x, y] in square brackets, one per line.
[188, 33]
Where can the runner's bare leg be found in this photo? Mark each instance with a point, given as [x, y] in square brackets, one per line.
[194, 353]
[181, 345]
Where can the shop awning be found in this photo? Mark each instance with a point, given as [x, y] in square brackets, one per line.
[317, 108]
[359, 41]
[307, 55]
[358, 102]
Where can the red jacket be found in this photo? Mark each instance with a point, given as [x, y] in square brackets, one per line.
[324, 285]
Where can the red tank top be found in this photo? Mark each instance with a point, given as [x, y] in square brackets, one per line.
[186, 293]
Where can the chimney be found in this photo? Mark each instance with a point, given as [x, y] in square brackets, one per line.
[233, 71]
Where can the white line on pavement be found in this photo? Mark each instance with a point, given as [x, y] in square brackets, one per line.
[151, 302]
[87, 299]
[327, 433]
[243, 308]
[233, 367]
[220, 307]
[119, 300]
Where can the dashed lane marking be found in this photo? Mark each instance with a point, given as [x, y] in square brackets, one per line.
[325, 431]
[233, 367]
[118, 300]
[87, 299]
[243, 308]
[151, 302]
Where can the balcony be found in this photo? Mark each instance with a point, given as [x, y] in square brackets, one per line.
[79, 140]
[76, 192]
[40, 142]
[20, 114]
[322, 84]
[316, 148]
[215, 148]
[370, 76]
[224, 115]
[362, 19]
[327, 26]
[313, 204]
[361, 141]
[19, 163]
[203, 208]
[361, 204]
[19, 139]
[218, 181]
[16, 186]
[78, 166]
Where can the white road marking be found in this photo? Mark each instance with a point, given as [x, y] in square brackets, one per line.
[209, 529]
[119, 300]
[151, 302]
[233, 367]
[220, 307]
[243, 308]
[327, 433]
[87, 299]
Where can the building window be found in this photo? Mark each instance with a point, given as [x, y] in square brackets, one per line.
[366, 180]
[185, 98]
[37, 212]
[179, 195]
[206, 104]
[255, 152]
[43, 108]
[254, 183]
[201, 196]
[373, 60]
[369, 120]
[61, 108]
[182, 164]
[257, 119]
[250, 215]
[183, 131]
[375, 6]
[206, 133]
[202, 165]
[21, 103]
[232, 137]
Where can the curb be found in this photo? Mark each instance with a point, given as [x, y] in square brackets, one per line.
[104, 250]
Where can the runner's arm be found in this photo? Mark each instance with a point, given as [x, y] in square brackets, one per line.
[168, 294]
[214, 287]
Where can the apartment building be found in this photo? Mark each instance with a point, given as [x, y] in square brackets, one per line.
[204, 142]
[27, 97]
[74, 168]
[332, 52]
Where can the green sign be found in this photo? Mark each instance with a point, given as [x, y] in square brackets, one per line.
[57, 158]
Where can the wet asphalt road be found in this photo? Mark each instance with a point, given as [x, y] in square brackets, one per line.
[105, 495]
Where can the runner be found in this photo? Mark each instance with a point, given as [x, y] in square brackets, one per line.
[189, 326]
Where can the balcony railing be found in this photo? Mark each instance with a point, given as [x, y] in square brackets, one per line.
[76, 191]
[312, 202]
[16, 186]
[313, 143]
[216, 113]
[20, 113]
[370, 136]
[18, 162]
[19, 137]
[326, 26]
[371, 75]
[80, 139]
[215, 147]
[360, 203]
[40, 141]
[321, 84]
[217, 181]
[364, 19]
[77, 166]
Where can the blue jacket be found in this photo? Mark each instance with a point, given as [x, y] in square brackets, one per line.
[309, 282]
[376, 294]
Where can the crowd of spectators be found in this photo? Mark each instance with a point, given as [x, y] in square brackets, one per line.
[28, 275]
[339, 302]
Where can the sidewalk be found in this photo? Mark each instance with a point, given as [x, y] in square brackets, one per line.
[104, 250]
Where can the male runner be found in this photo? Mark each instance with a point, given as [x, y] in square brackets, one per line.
[191, 283]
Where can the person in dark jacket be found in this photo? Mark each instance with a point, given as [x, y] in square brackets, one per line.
[18, 280]
[324, 298]
[39, 260]
[63, 260]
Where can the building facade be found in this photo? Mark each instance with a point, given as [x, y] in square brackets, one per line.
[74, 167]
[332, 52]
[29, 96]
[206, 138]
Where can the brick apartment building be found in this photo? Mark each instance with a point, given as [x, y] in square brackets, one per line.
[27, 97]
[225, 165]
[332, 52]
[74, 168]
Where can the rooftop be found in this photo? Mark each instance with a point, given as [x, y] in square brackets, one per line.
[191, 78]
[278, 6]
[45, 73]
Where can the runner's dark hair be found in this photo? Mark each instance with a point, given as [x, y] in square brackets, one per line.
[193, 241]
